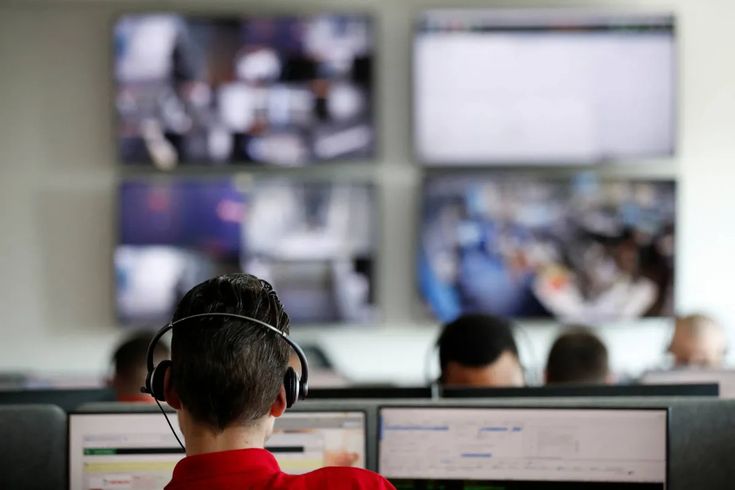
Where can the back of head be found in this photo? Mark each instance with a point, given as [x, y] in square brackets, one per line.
[474, 341]
[698, 340]
[578, 356]
[229, 371]
[129, 360]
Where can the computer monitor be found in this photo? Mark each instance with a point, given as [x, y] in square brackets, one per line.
[724, 378]
[67, 399]
[370, 392]
[520, 448]
[305, 441]
[315, 241]
[138, 450]
[580, 248]
[708, 389]
[543, 87]
[286, 90]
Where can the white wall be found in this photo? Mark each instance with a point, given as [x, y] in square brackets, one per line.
[58, 175]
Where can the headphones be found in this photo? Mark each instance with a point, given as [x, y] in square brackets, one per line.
[296, 387]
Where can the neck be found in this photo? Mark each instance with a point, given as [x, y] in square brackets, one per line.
[202, 439]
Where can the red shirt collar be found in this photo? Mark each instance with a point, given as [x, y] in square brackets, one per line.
[208, 465]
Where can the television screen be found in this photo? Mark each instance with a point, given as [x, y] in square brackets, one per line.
[284, 90]
[543, 87]
[315, 242]
[578, 249]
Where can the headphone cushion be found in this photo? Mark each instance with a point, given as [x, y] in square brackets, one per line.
[158, 375]
[291, 386]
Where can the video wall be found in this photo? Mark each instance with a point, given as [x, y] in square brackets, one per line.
[315, 242]
[579, 249]
[284, 91]
[546, 87]
[517, 114]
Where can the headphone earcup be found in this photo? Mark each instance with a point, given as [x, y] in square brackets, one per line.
[291, 385]
[156, 379]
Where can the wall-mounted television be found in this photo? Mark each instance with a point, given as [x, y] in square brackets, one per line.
[258, 90]
[315, 242]
[543, 87]
[579, 249]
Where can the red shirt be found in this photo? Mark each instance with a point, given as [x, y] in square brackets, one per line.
[243, 469]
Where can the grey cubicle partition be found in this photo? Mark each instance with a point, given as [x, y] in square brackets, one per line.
[32, 447]
[701, 441]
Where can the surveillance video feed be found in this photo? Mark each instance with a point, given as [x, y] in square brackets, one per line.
[579, 249]
[315, 242]
[285, 91]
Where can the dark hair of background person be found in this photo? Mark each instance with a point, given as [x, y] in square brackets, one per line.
[475, 340]
[577, 356]
[227, 371]
[129, 363]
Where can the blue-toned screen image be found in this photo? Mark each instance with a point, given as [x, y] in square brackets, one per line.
[280, 90]
[315, 242]
[579, 249]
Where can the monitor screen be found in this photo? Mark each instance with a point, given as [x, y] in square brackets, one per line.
[579, 249]
[315, 242]
[281, 90]
[513, 448]
[543, 87]
[138, 450]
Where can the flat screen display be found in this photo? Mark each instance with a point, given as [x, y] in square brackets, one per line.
[314, 241]
[513, 448]
[724, 378]
[543, 87]
[138, 450]
[277, 90]
[579, 249]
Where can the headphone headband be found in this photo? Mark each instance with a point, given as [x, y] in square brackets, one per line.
[303, 378]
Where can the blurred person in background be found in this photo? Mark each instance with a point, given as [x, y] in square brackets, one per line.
[698, 341]
[578, 356]
[129, 361]
[477, 350]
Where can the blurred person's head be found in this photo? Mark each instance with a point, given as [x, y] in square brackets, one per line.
[479, 351]
[130, 370]
[226, 377]
[698, 340]
[578, 356]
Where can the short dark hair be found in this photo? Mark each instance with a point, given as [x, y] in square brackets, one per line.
[227, 370]
[130, 356]
[475, 340]
[577, 356]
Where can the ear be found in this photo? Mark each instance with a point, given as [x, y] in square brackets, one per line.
[172, 398]
[279, 405]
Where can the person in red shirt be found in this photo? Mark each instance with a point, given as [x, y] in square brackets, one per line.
[226, 380]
